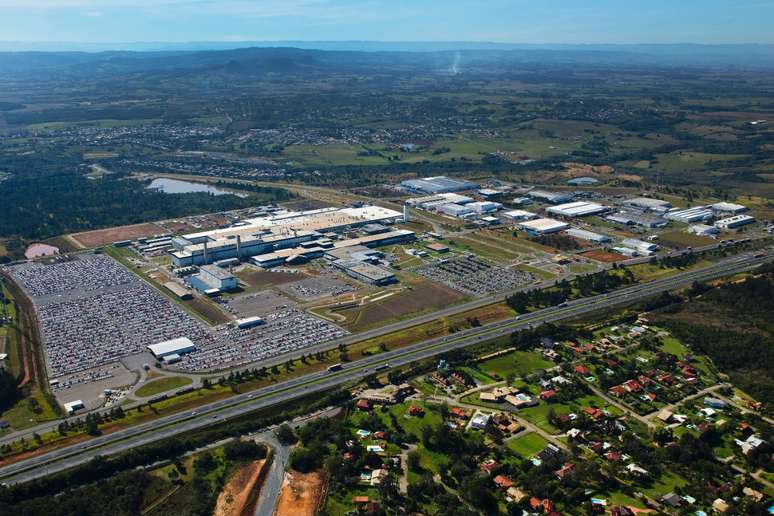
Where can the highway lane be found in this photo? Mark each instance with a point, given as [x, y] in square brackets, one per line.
[175, 424]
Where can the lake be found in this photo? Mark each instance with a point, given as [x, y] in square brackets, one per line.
[176, 186]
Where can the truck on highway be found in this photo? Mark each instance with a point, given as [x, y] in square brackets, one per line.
[334, 367]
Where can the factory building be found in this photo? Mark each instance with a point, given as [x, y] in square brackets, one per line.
[519, 215]
[543, 226]
[550, 197]
[212, 279]
[690, 215]
[455, 210]
[589, 236]
[438, 184]
[484, 207]
[646, 203]
[577, 209]
[641, 247]
[734, 222]
[521, 201]
[582, 181]
[365, 272]
[172, 348]
[703, 230]
[728, 208]
[430, 202]
[267, 234]
[637, 218]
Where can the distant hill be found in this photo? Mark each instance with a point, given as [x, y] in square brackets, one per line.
[287, 57]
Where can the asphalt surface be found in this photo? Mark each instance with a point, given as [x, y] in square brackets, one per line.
[169, 426]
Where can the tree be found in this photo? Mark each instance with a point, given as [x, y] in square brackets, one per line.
[286, 435]
[413, 460]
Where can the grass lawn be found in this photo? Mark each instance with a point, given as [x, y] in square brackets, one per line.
[680, 239]
[519, 363]
[666, 483]
[540, 273]
[538, 415]
[527, 445]
[619, 498]
[162, 384]
[480, 377]
[673, 346]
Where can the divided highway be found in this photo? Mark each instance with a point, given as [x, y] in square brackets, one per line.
[175, 424]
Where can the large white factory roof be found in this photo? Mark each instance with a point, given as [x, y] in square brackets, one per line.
[694, 214]
[648, 203]
[728, 207]
[520, 215]
[577, 209]
[543, 225]
[587, 235]
[168, 347]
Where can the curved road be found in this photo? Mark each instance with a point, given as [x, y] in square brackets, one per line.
[168, 426]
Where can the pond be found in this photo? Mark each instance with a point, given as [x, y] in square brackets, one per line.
[38, 249]
[176, 186]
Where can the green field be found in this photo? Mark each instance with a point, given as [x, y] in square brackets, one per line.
[519, 363]
[162, 385]
[527, 445]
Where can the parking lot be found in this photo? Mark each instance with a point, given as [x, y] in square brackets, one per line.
[473, 276]
[285, 331]
[311, 289]
[257, 303]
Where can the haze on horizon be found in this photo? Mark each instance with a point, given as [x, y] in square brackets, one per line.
[507, 21]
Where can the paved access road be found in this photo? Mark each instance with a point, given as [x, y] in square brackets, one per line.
[169, 426]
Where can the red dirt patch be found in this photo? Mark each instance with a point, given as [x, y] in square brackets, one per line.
[301, 494]
[107, 236]
[603, 256]
[238, 495]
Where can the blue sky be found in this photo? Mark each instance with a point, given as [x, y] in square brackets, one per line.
[517, 21]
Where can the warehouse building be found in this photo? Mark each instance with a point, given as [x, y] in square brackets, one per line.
[213, 278]
[641, 247]
[543, 226]
[71, 407]
[249, 322]
[577, 209]
[637, 218]
[171, 348]
[690, 215]
[430, 202]
[365, 272]
[550, 197]
[178, 290]
[589, 236]
[647, 203]
[455, 210]
[734, 222]
[521, 201]
[438, 184]
[703, 230]
[519, 215]
[484, 207]
[728, 208]
[582, 181]
[267, 234]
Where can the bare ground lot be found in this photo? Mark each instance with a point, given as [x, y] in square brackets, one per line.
[301, 494]
[238, 494]
[107, 236]
[603, 256]
[256, 303]
[424, 296]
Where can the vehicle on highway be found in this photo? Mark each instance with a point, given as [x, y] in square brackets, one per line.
[334, 367]
[382, 367]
